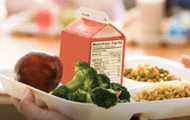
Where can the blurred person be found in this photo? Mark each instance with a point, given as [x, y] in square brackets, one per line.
[33, 111]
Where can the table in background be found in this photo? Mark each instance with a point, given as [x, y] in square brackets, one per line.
[11, 48]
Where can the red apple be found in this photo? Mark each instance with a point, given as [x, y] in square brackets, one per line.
[39, 70]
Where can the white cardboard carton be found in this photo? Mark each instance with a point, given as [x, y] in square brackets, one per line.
[122, 111]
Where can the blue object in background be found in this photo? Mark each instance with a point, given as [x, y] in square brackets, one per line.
[178, 26]
[182, 3]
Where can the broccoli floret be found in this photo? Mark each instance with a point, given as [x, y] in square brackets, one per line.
[89, 75]
[81, 65]
[70, 87]
[79, 96]
[76, 82]
[90, 81]
[61, 91]
[102, 97]
[103, 81]
[85, 78]
[124, 95]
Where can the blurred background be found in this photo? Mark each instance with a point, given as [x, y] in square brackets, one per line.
[144, 22]
[152, 27]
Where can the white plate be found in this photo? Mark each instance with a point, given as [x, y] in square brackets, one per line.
[122, 111]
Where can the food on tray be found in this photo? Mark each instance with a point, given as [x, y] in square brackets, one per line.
[44, 72]
[149, 73]
[39, 70]
[88, 86]
[164, 91]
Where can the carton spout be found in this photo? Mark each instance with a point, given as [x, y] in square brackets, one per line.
[94, 15]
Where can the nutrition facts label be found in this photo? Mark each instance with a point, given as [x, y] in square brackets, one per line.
[106, 57]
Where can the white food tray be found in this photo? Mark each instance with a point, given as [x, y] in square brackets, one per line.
[123, 111]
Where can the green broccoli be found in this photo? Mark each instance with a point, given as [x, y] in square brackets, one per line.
[88, 86]
[61, 91]
[90, 80]
[81, 66]
[89, 73]
[124, 95]
[102, 97]
[84, 78]
[103, 81]
[80, 96]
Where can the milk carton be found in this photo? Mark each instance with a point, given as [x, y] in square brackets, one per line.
[95, 40]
